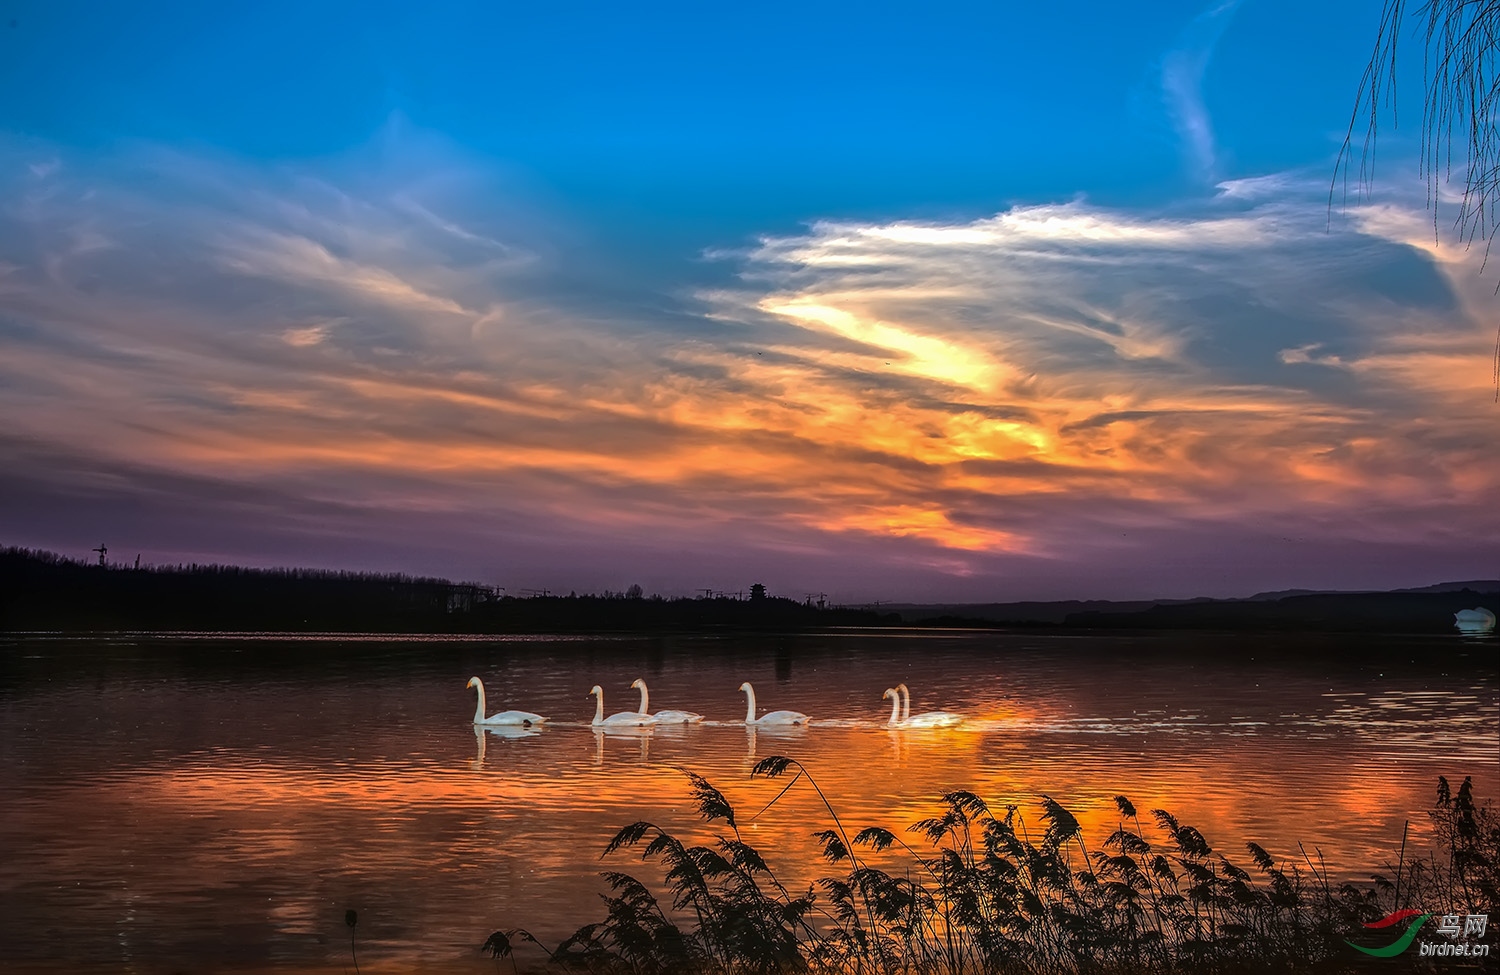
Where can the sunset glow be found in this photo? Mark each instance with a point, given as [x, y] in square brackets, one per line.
[407, 357]
[1045, 471]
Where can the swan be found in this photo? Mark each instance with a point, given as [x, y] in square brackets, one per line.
[773, 718]
[526, 718]
[927, 719]
[895, 696]
[663, 717]
[624, 719]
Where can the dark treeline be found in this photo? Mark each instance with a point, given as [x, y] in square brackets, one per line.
[45, 591]
[41, 590]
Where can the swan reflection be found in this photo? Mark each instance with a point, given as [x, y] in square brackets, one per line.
[777, 735]
[503, 731]
[899, 745]
[641, 734]
[513, 731]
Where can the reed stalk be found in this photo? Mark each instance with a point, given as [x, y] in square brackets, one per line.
[985, 898]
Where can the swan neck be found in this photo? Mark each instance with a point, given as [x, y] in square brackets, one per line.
[645, 699]
[749, 705]
[905, 703]
[479, 707]
[896, 708]
[599, 709]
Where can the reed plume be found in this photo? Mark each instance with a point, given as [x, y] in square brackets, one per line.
[977, 894]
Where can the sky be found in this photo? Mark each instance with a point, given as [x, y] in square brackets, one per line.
[939, 302]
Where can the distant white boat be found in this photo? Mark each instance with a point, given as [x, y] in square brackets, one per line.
[1477, 620]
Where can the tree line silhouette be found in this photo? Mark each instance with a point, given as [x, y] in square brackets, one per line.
[42, 590]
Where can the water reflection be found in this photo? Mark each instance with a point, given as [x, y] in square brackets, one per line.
[783, 665]
[899, 750]
[166, 808]
[641, 734]
[482, 732]
[779, 737]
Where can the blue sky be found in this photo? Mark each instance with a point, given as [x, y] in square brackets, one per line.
[958, 301]
[717, 116]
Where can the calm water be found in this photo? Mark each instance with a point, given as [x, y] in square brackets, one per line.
[191, 804]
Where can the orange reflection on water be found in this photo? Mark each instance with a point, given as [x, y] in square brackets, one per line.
[144, 813]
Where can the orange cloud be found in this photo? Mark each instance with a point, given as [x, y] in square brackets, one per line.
[952, 392]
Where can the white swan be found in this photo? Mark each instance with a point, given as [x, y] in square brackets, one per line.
[774, 717]
[895, 697]
[663, 717]
[624, 719]
[927, 719]
[526, 718]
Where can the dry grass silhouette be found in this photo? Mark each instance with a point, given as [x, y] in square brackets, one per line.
[984, 891]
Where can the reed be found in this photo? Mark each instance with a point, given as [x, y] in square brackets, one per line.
[351, 920]
[982, 891]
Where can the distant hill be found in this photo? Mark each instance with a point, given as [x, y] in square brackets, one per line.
[1475, 585]
[1480, 585]
[1429, 610]
[1423, 609]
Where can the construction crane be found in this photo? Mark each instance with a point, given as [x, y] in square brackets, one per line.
[103, 550]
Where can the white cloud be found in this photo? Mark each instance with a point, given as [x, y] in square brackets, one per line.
[1182, 71]
[976, 396]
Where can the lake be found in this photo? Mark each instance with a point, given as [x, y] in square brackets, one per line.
[189, 803]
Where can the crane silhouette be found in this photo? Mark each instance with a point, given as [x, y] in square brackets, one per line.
[103, 550]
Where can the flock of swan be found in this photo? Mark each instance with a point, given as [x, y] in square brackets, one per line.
[901, 716]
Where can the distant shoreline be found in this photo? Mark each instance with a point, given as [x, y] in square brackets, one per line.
[43, 593]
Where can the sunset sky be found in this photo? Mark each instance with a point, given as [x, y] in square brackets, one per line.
[948, 301]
